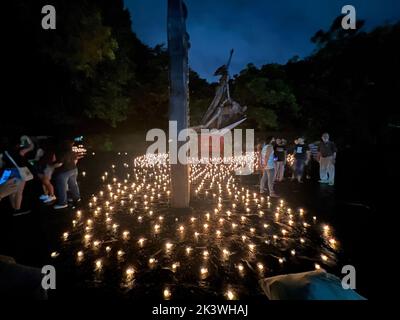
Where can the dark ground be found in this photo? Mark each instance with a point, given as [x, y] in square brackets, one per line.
[347, 207]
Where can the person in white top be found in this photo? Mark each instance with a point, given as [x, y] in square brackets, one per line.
[268, 167]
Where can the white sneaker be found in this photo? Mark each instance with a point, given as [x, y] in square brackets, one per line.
[50, 199]
[43, 197]
[60, 206]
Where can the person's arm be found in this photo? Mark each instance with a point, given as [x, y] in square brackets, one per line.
[30, 147]
[9, 187]
[334, 151]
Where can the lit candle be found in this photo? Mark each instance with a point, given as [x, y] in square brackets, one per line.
[98, 264]
[167, 293]
[230, 295]
[203, 271]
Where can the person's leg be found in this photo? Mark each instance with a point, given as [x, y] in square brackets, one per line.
[47, 183]
[19, 195]
[281, 170]
[300, 170]
[276, 171]
[271, 181]
[331, 171]
[73, 185]
[41, 178]
[323, 168]
[61, 188]
[263, 181]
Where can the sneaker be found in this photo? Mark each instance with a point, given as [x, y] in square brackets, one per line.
[323, 181]
[274, 195]
[43, 197]
[331, 184]
[50, 199]
[60, 206]
[21, 212]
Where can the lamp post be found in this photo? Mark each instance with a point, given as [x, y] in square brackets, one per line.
[178, 45]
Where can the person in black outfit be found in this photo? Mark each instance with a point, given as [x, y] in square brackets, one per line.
[280, 154]
[66, 175]
[301, 156]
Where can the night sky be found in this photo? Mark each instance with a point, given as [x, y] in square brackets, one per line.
[260, 31]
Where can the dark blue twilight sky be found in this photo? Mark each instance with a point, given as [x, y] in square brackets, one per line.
[260, 31]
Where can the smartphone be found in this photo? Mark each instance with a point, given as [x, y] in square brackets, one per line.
[6, 175]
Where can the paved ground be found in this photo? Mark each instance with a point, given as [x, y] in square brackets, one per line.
[347, 207]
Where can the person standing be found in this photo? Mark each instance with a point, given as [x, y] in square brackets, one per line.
[327, 157]
[268, 167]
[66, 174]
[301, 158]
[280, 155]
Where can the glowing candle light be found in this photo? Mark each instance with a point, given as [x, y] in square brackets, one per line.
[140, 218]
[196, 234]
[152, 261]
[188, 250]
[317, 266]
[175, 266]
[205, 226]
[240, 267]
[293, 252]
[225, 252]
[281, 260]
[243, 218]
[167, 293]
[54, 254]
[234, 225]
[141, 241]
[244, 238]
[266, 226]
[83, 173]
[302, 240]
[98, 264]
[120, 253]
[79, 254]
[206, 254]
[192, 219]
[252, 230]
[260, 266]
[203, 271]
[252, 246]
[230, 295]
[96, 243]
[125, 234]
[324, 257]
[168, 245]
[129, 272]
[284, 232]
[65, 236]
[156, 227]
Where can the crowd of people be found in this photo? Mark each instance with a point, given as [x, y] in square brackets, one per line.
[274, 153]
[53, 164]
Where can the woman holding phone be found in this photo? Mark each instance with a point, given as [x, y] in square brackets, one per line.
[15, 154]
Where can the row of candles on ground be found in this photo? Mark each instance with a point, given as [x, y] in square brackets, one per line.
[151, 181]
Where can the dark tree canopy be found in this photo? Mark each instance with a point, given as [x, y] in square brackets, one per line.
[93, 75]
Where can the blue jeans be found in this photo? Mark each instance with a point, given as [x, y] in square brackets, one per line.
[299, 167]
[66, 181]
